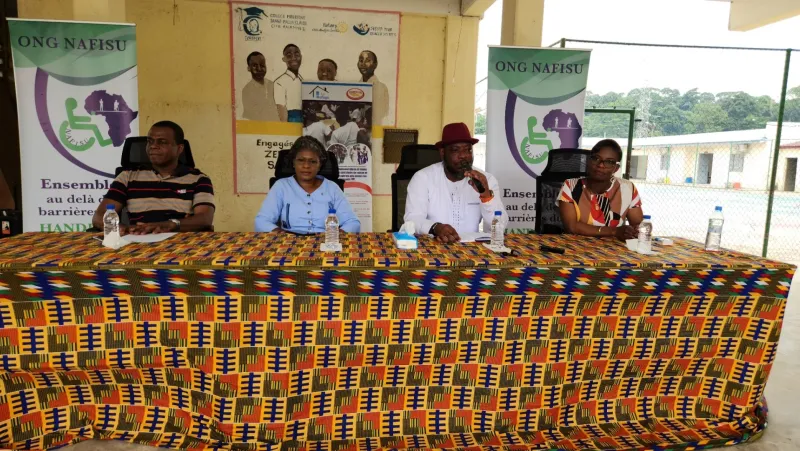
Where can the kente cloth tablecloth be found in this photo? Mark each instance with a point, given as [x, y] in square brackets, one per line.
[260, 342]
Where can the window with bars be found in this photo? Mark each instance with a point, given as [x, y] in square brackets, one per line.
[737, 162]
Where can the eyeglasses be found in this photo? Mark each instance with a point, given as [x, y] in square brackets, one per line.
[601, 162]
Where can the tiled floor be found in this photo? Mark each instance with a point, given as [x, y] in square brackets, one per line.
[783, 394]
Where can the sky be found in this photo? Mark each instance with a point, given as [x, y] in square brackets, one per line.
[685, 22]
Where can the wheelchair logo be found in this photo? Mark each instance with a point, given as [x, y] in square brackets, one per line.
[79, 142]
[535, 147]
[250, 21]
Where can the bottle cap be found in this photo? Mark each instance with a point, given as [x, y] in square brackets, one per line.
[647, 217]
[331, 211]
[498, 213]
[717, 208]
[110, 207]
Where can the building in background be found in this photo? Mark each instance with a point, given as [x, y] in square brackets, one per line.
[736, 159]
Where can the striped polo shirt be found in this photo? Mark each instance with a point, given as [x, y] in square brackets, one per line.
[151, 197]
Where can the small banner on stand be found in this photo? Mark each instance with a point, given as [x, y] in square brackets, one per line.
[535, 104]
[339, 115]
[77, 100]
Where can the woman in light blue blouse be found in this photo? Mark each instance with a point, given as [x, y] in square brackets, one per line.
[300, 204]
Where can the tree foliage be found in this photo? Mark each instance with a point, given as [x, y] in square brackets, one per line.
[663, 112]
[668, 112]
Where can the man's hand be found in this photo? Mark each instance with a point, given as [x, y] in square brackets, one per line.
[476, 175]
[445, 233]
[625, 232]
[153, 227]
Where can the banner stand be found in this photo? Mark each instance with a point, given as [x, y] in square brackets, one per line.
[535, 104]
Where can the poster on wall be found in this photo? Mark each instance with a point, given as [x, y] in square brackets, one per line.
[535, 104]
[77, 101]
[339, 115]
[278, 47]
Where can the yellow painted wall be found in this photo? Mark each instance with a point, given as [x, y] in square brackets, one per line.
[184, 76]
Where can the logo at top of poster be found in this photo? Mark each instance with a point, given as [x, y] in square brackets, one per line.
[362, 29]
[532, 131]
[250, 21]
[355, 94]
[320, 93]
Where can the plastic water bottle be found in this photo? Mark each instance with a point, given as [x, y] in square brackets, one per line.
[332, 227]
[497, 230]
[714, 235]
[110, 221]
[646, 235]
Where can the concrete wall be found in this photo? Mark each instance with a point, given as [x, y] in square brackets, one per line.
[184, 75]
[683, 164]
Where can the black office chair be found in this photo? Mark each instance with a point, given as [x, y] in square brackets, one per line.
[284, 167]
[562, 164]
[134, 154]
[413, 157]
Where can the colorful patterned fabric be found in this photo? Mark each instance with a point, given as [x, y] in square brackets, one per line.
[259, 342]
[607, 209]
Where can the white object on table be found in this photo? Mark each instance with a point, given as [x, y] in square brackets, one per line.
[113, 241]
[495, 248]
[330, 247]
[633, 245]
[471, 237]
[404, 238]
[150, 238]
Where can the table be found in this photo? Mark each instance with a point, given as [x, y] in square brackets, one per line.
[259, 342]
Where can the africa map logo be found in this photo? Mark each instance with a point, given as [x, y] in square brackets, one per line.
[113, 107]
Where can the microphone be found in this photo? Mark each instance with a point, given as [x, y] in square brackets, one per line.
[475, 182]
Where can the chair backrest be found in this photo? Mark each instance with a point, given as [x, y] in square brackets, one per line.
[284, 167]
[413, 157]
[134, 154]
[562, 164]
[399, 195]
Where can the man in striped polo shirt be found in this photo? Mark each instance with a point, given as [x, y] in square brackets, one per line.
[169, 197]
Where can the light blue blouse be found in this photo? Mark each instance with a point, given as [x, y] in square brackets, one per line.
[291, 208]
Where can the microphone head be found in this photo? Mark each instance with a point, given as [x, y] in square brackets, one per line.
[465, 166]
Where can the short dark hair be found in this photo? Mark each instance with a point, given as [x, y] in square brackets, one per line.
[287, 48]
[374, 56]
[328, 60]
[308, 143]
[342, 115]
[176, 129]
[608, 144]
[252, 54]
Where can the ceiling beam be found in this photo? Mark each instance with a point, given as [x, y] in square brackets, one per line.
[751, 14]
[475, 7]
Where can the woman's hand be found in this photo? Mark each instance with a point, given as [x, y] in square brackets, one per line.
[625, 232]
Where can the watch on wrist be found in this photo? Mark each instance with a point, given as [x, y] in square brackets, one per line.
[177, 222]
[433, 228]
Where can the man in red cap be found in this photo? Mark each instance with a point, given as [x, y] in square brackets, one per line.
[450, 198]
